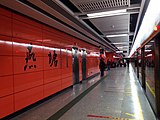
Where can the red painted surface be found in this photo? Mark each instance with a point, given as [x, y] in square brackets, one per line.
[52, 88]
[27, 81]
[5, 45]
[66, 82]
[6, 25]
[26, 20]
[6, 105]
[6, 86]
[5, 12]
[92, 65]
[29, 71]
[6, 65]
[27, 97]
[26, 31]
[20, 47]
[50, 74]
[19, 64]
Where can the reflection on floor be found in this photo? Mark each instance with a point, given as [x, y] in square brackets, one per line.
[118, 96]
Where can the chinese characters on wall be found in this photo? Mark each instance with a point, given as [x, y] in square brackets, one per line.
[53, 58]
[30, 56]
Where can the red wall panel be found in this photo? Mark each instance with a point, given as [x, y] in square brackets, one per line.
[26, 20]
[26, 81]
[92, 65]
[66, 72]
[6, 26]
[25, 98]
[32, 83]
[6, 106]
[48, 29]
[6, 86]
[6, 64]
[66, 69]
[5, 12]
[26, 31]
[50, 63]
[5, 45]
[51, 38]
[52, 88]
[20, 65]
[52, 75]
[66, 82]
[64, 57]
[22, 46]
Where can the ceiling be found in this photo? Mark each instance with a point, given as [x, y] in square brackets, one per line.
[109, 25]
[71, 17]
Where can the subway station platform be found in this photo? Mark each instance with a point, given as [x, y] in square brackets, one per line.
[116, 96]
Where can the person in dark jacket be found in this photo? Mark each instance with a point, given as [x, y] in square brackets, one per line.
[102, 66]
[108, 64]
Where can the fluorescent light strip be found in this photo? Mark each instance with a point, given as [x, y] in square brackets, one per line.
[119, 47]
[120, 43]
[108, 13]
[117, 35]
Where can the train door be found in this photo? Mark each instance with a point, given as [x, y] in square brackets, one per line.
[83, 64]
[75, 65]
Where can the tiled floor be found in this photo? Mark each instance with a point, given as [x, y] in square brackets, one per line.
[117, 97]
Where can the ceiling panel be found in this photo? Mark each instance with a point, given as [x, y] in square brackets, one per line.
[112, 24]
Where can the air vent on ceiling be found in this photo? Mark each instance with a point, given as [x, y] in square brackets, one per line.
[96, 5]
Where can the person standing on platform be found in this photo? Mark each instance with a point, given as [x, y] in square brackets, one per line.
[102, 66]
[108, 64]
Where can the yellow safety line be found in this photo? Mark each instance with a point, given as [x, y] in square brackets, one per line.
[150, 89]
[140, 114]
[139, 106]
[122, 119]
[130, 114]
